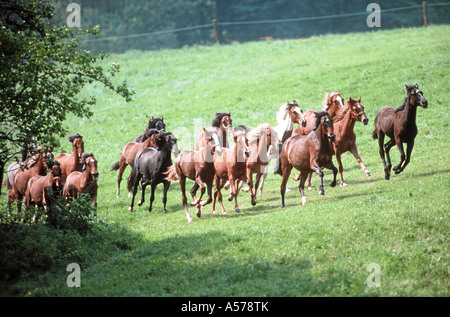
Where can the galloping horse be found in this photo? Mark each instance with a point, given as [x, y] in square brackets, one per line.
[37, 165]
[399, 124]
[72, 162]
[129, 153]
[35, 194]
[84, 182]
[264, 146]
[231, 166]
[152, 165]
[153, 123]
[287, 116]
[343, 124]
[222, 121]
[309, 153]
[198, 166]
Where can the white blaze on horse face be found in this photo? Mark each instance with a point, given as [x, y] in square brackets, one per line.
[297, 110]
[217, 144]
[340, 101]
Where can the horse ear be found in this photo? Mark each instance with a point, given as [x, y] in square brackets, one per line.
[162, 118]
[359, 100]
[84, 167]
[229, 113]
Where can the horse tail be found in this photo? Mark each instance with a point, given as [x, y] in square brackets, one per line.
[115, 166]
[172, 175]
[374, 134]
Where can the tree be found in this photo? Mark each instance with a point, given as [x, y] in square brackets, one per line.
[42, 70]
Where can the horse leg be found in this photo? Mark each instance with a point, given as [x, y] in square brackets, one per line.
[331, 166]
[219, 196]
[309, 181]
[387, 169]
[183, 197]
[208, 192]
[257, 181]
[217, 182]
[152, 196]
[164, 199]
[233, 189]
[354, 151]
[301, 186]
[319, 172]
[135, 188]
[341, 168]
[409, 148]
[193, 192]
[144, 184]
[122, 166]
[264, 175]
[402, 155]
[286, 172]
[250, 185]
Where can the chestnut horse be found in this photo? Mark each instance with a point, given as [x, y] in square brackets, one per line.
[343, 124]
[35, 194]
[151, 165]
[287, 116]
[231, 166]
[399, 124]
[37, 165]
[84, 182]
[72, 162]
[309, 153]
[129, 153]
[264, 146]
[198, 166]
[222, 121]
[153, 123]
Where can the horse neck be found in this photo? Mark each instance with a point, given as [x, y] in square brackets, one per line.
[347, 123]
[223, 136]
[38, 168]
[165, 155]
[410, 113]
[285, 126]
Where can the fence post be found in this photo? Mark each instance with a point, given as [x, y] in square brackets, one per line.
[425, 13]
[216, 33]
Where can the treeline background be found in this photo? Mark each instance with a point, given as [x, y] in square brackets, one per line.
[123, 18]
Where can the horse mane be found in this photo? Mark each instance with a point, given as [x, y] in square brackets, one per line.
[340, 114]
[152, 122]
[72, 137]
[86, 155]
[215, 122]
[210, 130]
[283, 111]
[326, 102]
[148, 133]
[403, 106]
[35, 158]
[253, 135]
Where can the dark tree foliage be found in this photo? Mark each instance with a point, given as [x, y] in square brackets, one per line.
[42, 70]
[129, 17]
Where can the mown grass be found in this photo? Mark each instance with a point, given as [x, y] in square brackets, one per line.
[320, 249]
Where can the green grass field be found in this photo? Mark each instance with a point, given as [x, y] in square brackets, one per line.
[320, 249]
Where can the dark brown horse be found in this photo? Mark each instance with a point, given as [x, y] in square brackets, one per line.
[151, 165]
[35, 194]
[37, 165]
[222, 121]
[231, 166]
[309, 153]
[129, 153]
[72, 162]
[197, 166]
[399, 124]
[84, 182]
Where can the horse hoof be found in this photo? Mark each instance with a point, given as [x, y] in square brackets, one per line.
[254, 203]
[139, 203]
[237, 210]
[321, 192]
[224, 213]
[130, 194]
[303, 200]
[333, 184]
[398, 172]
[164, 212]
[343, 185]
[230, 198]
[288, 190]
[130, 208]
[368, 174]
[213, 211]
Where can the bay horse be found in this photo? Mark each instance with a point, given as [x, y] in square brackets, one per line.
[151, 165]
[309, 153]
[35, 193]
[197, 165]
[231, 166]
[222, 121]
[37, 165]
[153, 123]
[72, 162]
[399, 124]
[129, 153]
[84, 182]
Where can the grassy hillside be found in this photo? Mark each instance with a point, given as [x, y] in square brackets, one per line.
[320, 249]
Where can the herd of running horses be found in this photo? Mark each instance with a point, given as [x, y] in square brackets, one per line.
[225, 156]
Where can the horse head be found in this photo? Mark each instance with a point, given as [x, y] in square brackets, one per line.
[357, 110]
[241, 142]
[415, 96]
[212, 138]
[171, 142]
[90, 164]
[57, 174]
[333, 103]
[156, 123]
[296, 113]
[324, 120]
[77, 144]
